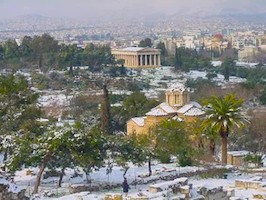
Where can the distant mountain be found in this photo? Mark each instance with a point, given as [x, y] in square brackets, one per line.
[32, 16]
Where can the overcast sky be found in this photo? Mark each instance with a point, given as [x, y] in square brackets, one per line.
[126, 8]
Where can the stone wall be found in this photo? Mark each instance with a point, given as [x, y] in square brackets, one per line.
[77, 188]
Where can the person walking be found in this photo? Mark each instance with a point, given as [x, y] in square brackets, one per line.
[125, 186]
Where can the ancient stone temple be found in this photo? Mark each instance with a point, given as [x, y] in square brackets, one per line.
[138, 57]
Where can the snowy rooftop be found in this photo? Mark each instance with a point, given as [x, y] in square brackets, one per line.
[139, 120]
[194, 112]
[196, 104]
[135, 49]
[185, 108]
[167, 108]
[238, 153]
[156, 112]
[177, 87]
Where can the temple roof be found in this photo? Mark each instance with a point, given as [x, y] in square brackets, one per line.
[135, 49]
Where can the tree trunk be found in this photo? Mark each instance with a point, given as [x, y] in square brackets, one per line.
[212, 147]
[39, 175]
[4, 159]
[126, 169]
[5, 155]
[149, 165]
[61, 177]
[88, 178]
[224, 149]
[105, 109]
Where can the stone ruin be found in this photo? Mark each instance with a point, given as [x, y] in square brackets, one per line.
[179, 189]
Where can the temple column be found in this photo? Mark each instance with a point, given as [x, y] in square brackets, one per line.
[150, 60]
[127, 61]
[132, 60]
[159, 60]
[154, 60]
[141, 63]
[146, 60]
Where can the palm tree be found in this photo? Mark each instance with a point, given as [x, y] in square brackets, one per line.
[223, 114]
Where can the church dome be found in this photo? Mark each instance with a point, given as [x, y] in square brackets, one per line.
[217, 38]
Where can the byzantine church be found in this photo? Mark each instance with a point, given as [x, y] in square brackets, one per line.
[177, 106]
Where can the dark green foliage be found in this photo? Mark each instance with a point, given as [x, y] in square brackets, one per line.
[251, 158]
[89, 149]
[161, 46]
[223, 114]
[211, 76]
[45, 53]
[145, 43]
[185, 158]
[198, 83]
[187, 59]
[18, 105]
[228, 68]
[134, 105]
[125, 150]
[116, 71]
[40, 81]
[137, 104]
[263, 96]
[163, 158]
[173, 139]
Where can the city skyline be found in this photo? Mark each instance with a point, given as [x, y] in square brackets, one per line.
[108, 10]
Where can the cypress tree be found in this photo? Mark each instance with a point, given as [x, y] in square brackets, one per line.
[106, 116]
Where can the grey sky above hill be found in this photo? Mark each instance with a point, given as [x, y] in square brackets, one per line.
[110, 9]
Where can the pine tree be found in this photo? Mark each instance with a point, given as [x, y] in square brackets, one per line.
[18, 112]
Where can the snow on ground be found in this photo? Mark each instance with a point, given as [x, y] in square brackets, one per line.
[163, 77]
[1, 158]
[193, 74]
[58, 99]
[100, 176]
[209, 183]
[158, 79]
[11, 186]
[116, 176]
